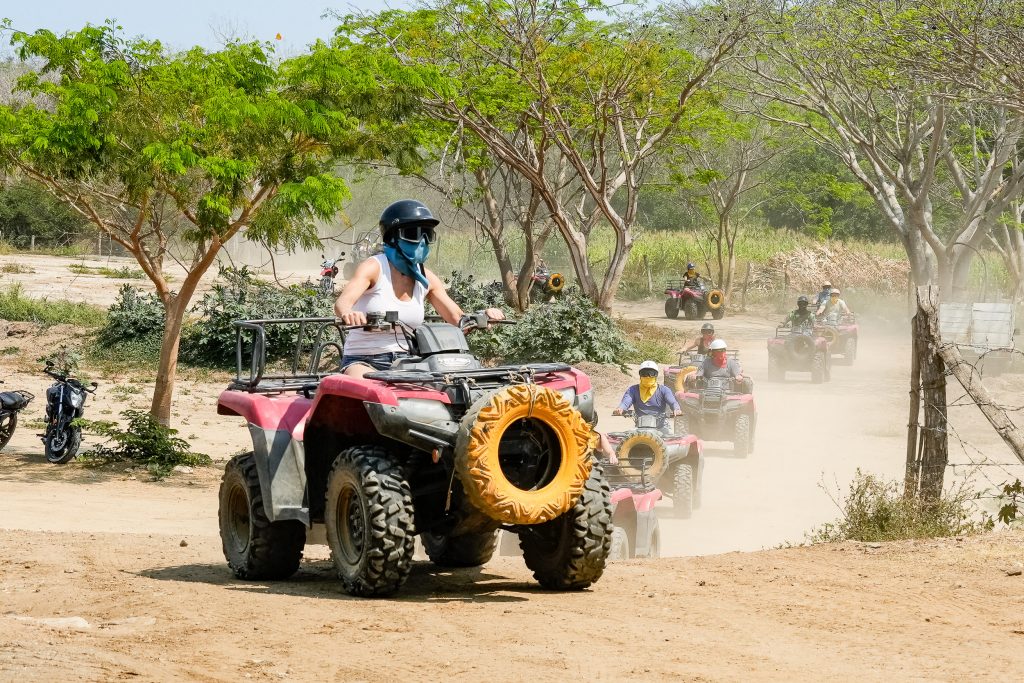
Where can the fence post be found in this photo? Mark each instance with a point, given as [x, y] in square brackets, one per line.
[650, 279]
[32, 246]
[929, 466]
[99, 243]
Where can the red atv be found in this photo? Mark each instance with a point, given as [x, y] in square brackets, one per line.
[719, 409]
[672, 462]
[693, 301]
[438, 446]
[840, 331]
[544, 284]
[799, 349]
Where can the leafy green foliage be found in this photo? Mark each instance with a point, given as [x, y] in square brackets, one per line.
[239, 295]
[26, 210]
[122, 273]
[66, 360]
[14, 305]
[876, 510]
[143, 441]
[134, 315]
[570, 329]
[1011, 498]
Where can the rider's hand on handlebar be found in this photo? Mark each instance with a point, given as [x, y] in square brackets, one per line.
[678, 412]
[354, 318]
[494, 313]
[617, 411]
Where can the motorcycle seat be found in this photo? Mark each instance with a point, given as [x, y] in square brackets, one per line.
[12, 400]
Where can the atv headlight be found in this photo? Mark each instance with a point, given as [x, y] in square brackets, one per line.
[569, 394]
[585, 404]
[424, 411]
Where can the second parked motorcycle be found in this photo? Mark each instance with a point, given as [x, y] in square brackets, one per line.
[65, 401]
[11, 403]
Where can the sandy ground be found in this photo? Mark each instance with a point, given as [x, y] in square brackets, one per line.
[95, 583]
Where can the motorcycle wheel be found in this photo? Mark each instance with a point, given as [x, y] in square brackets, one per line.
[7, 425]
[326, 285]
[62, 447]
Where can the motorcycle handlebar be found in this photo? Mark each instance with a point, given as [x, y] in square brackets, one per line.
[71, 380]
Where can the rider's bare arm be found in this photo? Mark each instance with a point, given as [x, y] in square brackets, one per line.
[450, 311]
[365, 276]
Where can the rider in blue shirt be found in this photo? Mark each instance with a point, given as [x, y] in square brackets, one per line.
[648, 397]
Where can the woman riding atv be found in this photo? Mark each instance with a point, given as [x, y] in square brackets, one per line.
[396, 280]
[702, 343]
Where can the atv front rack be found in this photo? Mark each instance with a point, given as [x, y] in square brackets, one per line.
[619, 478]
[251, 335]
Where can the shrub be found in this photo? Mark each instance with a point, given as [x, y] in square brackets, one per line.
[570, 329]
[240, 295]
[877, 510]
[14, 305]
[133, 315]
[122, 273]
[66, 360]
[144, 441]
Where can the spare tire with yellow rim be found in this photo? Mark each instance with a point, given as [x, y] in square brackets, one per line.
[679, 381]
[556, 282]
[716, 298]
[523, 454]
[642, 451]
[828, 334]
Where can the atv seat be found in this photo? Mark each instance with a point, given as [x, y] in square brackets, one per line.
[13, 400]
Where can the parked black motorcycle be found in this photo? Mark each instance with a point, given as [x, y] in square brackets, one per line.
[11, 403]
[65, 401]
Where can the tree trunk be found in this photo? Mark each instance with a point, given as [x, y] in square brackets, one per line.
[616, 266]
[163, 392]
[934, 448]
[912, 481]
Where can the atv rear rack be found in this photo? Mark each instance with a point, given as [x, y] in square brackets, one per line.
[500, 372]
[254, 378]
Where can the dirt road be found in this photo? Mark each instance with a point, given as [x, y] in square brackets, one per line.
[96, 585]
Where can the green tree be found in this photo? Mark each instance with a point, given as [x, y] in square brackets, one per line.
[578, 106]
[27, 209]
[172, 155]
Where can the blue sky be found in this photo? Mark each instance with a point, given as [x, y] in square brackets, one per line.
[183, 23]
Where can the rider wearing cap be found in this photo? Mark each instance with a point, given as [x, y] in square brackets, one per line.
[801, 316]
[826, 289]
[692, 277]
[833, 306]
[395, 280]
[701, 343]
[648, 397]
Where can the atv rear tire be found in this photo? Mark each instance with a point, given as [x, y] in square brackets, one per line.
[369, 520]
[255, 548]
[569, 552]
[8, 424]
[620, 545]
[480, 455]
[850, 351]
[682, 491]
[818, 368]
[468, 550]
[741, 444]
[672, 308]
[691, 311]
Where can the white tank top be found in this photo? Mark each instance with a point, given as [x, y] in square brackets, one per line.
[380, 298]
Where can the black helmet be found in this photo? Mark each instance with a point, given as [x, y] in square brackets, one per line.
[802, 302]
[405, 212]
[707, 327]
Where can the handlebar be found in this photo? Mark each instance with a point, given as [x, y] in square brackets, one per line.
[72, 381]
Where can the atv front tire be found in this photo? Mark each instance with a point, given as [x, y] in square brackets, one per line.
[850, 351]
[679, 426]
[818, 368]
[672, 308]
[620, 545]
[468, 550]
[691, 311]
[569, 552]
[369, 520]
[255, 547]
[718, 313]
[682, 491]
[741, 444]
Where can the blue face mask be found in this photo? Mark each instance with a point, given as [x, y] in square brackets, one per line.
[408, 258]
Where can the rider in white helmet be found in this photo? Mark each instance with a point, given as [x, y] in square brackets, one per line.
[648, 397]
[835, 306]
[718, 363]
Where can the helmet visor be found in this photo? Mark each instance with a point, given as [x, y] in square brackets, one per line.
[414, 232]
